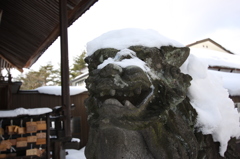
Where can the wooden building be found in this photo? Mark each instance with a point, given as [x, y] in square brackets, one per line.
[209, 44]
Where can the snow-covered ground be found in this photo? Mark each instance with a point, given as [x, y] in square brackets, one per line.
[75, 154]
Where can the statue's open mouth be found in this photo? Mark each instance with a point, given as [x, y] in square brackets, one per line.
[120, 87]
[132, 99]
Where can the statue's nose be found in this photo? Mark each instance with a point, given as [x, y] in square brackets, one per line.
[111, 70]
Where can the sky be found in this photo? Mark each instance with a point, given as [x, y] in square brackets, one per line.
[185, 21]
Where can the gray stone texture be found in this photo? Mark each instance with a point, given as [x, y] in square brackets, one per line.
[131, 120]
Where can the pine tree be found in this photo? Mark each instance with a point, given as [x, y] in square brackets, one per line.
[45, 76]
[78, 64]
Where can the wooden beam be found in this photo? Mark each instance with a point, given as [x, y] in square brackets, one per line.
[65, 68]
[219, 68]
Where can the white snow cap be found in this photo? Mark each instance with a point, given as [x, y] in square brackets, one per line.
[124, 38]
[57, 90]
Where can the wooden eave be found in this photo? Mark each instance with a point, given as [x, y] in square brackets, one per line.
[29, 27]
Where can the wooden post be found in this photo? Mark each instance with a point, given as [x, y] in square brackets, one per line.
[65, 68]
[58, 151]
[9, 104]
[48, 137]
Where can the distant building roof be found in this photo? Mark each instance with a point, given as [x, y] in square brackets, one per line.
[208, 39]
[80, 77]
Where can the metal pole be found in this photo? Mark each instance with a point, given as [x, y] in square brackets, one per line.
[65, 68]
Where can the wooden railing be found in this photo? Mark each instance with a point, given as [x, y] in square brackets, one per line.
[35, 136]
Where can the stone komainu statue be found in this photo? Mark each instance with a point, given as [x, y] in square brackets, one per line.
[137, 114]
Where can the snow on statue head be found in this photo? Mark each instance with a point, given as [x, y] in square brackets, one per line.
[137, 105]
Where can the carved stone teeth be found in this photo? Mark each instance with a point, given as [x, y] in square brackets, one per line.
[112, 101]
[128, 104]
[112, 92]
[138, 91]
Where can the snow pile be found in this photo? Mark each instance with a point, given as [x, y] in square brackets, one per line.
[75, 154]
[221, 59]
[57, 90]
[22, 111]
[122, 39]
[75, 140]
[230, 81]
[216, 112]
[217, 58]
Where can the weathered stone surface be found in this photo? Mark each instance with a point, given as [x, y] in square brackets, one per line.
[135, 114]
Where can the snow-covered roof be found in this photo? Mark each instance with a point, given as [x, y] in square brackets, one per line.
[217, 58]
[22, 111]
[123, 38]
[230, 81]
[80, 76]
[57, 90]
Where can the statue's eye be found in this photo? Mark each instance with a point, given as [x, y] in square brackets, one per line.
[101, 59]
[104, 57]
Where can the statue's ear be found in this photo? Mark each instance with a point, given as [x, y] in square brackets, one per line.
[175, 56]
